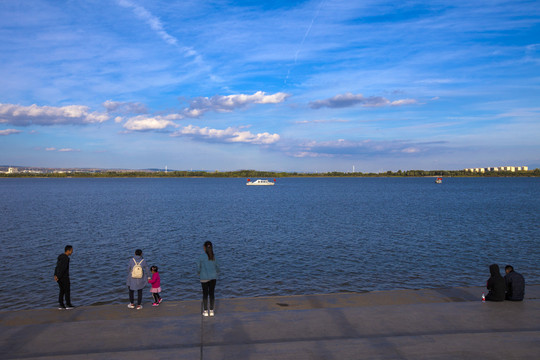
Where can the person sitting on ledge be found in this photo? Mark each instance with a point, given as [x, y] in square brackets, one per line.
[495, 284]
[515, 284]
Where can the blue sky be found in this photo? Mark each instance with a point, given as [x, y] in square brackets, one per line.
[270, 85]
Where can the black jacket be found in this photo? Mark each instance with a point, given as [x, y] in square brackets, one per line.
[515, 286]
[62, 267]
[495, 284]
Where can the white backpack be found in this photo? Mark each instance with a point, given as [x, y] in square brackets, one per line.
[137, 270]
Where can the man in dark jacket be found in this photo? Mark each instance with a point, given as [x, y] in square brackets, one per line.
[515, 284]
[61, 276]
[495, 284]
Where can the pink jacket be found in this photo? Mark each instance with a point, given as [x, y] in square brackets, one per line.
[155, 281]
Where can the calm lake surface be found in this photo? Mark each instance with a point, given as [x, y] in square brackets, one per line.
[301, 236]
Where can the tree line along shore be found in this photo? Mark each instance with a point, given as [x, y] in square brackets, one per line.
[81, 173]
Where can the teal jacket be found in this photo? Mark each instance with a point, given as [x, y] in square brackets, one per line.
[207, 269]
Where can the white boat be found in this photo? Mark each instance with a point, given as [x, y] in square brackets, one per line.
[260, 182]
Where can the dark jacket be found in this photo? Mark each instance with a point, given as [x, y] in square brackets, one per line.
[495, 284]
[515, 286]
[62, 267]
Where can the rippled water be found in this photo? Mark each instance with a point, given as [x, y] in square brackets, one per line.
[302, 236]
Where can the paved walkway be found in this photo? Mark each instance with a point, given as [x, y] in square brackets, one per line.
[401, 324]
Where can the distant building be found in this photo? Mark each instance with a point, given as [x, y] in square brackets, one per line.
[498, 168]
[12, 170]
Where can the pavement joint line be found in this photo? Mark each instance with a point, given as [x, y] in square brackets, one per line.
[369, 337]
[202, 337]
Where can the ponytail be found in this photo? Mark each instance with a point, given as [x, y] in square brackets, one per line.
[209, 250]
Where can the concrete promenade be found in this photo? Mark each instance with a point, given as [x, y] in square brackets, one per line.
[401, 324]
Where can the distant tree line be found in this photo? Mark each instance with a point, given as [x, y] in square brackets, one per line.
[271, 174]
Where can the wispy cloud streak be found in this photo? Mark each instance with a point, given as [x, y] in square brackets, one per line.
[125, 107]
[330, 121]
[153, 21]
[304, 38]
[349, 99]
[62, 150]
[156, 25]
[342, 147]
[7, 132]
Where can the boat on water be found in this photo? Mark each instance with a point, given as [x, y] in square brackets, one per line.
[438, 180]
[260, 182]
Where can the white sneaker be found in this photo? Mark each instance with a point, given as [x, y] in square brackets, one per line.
[205, 313]
[131, 306]
[211, 312]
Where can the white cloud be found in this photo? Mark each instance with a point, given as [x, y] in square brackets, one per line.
[144, 123]
[49, 115]
[226, 103]
[229, 135]
[9, 132]
[403, 102]
[50, 149]
[349, 99]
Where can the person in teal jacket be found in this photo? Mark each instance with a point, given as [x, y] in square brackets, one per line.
[208, 271]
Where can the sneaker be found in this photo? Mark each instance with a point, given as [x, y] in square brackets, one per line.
[61, 307]
[160, 300]
[69, 307]
[211, 312]
[131, 306]
[139, 307]
[205, 313]
[155, 304]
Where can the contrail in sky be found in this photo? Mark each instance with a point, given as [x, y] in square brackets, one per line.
[305, 36]
[155, 24]
[153, 21]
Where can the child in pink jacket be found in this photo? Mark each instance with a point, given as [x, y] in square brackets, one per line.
[156, 286]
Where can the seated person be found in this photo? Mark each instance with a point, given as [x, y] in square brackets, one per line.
[515, 284]
[495, 284]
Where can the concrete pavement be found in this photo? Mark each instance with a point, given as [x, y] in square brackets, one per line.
[401, 324]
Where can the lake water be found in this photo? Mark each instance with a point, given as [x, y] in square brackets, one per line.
[301, 236]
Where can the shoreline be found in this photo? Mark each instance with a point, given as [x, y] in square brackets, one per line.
[366, 176]
[393, 297]
[349, 298]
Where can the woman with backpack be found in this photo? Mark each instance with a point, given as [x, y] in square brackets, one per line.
[208, 271]
[137, 278]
